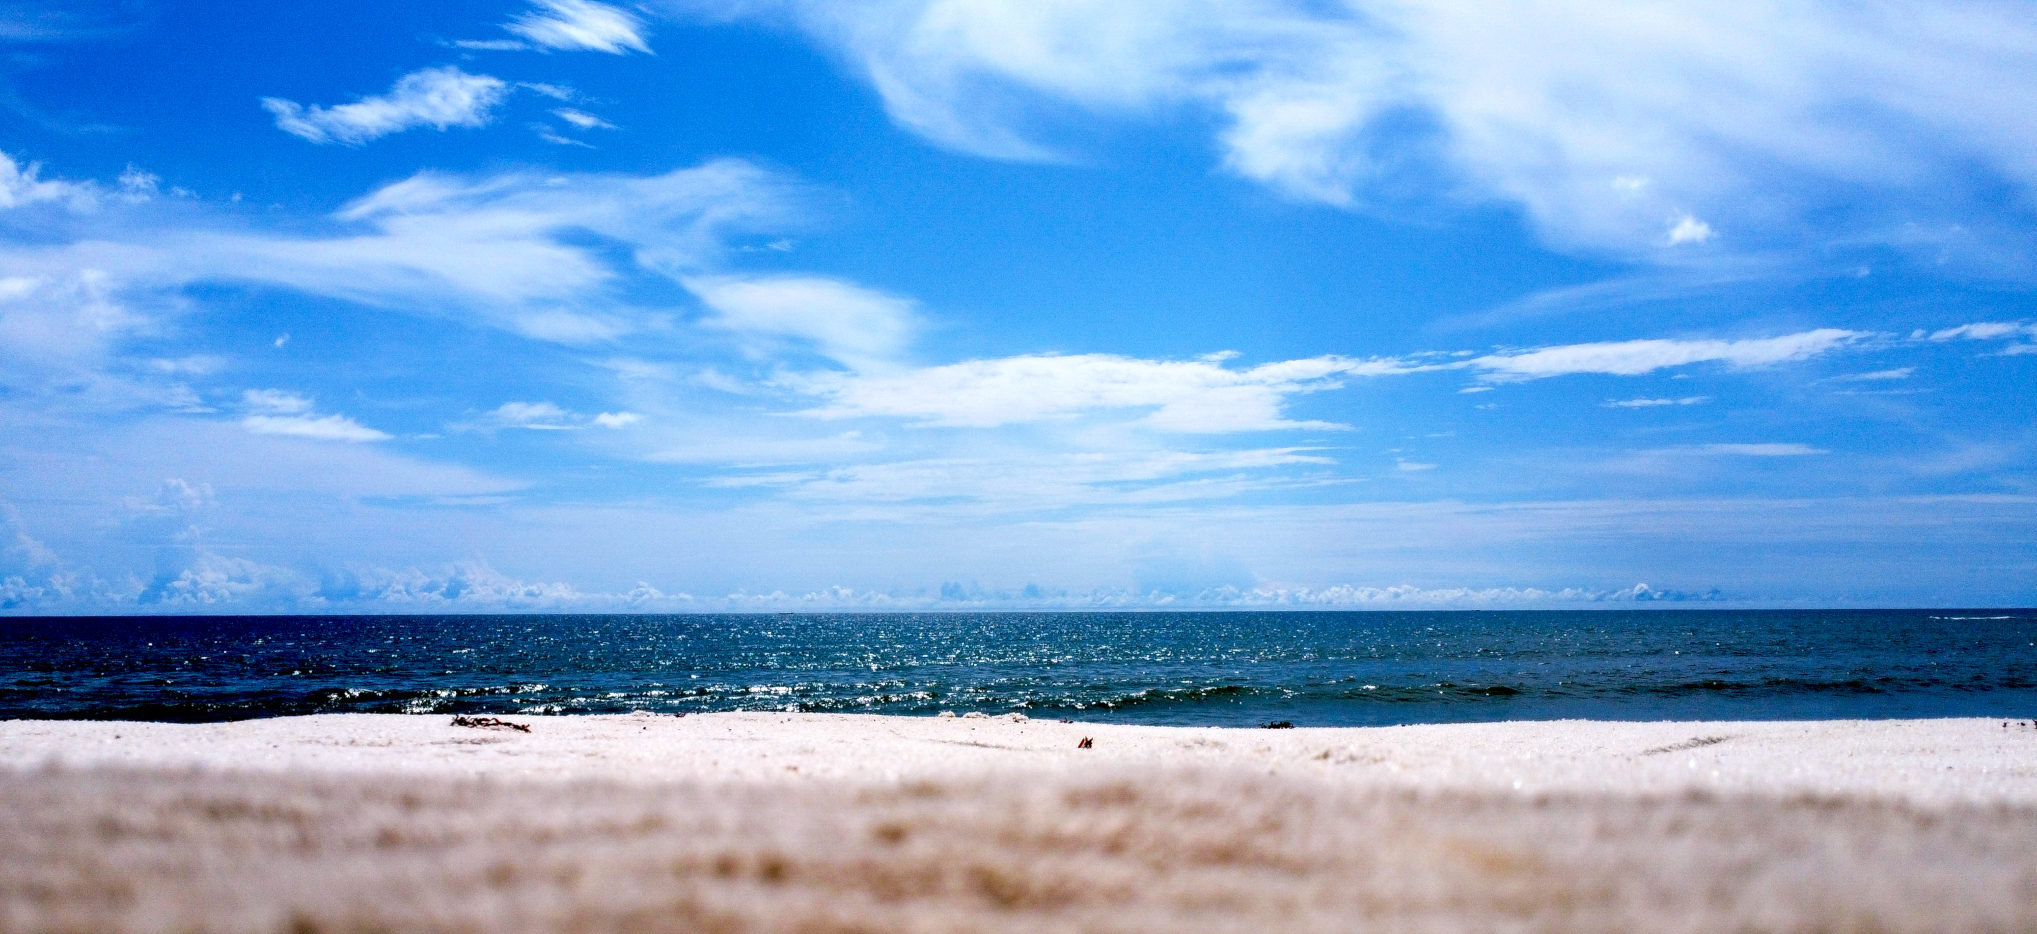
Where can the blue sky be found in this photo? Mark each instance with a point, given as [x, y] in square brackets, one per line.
[789, 304]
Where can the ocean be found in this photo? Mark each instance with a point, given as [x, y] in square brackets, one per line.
[1201, 668]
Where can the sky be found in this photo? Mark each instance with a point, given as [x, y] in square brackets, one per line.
[711, 305]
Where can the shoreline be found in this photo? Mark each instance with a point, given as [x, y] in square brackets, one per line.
[863, 823]
[1926, 762]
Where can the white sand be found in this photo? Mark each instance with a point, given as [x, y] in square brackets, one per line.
[783, 822]
[1918, 761]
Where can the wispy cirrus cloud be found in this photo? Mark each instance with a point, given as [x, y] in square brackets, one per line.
[581, 26]
[277, 412]
[511, 239]
[1655, 403]
[2021, 335]
[1190, 396]
[2024, 335]
[1875, 376]
[860, 328]
[1642, 130]
[1018, 480]
[547, 416]
[1756, 449]
[507, 250]
[440, 98]
[582, 120]
[1208, 396]
[1636, 357]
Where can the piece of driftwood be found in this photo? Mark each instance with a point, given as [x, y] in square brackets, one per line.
[490, 723]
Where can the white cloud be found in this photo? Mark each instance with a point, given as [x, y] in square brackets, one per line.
[1206, 396]
[537, 416]
[275, 402]
[466, 583]
[1775, 118]
[62, 333]
[61, 320]
[1632, 358]
[206, 581]
[1688, 229]
[23, 185]
[191, 365]
[1407, 595]
[580, 25]
[552, 136]
[1877, 376]
[1987, 331]
[19, 551]
[1653, 403]
[508, 250]
[137, 185]
[582, 120]
[1030, 480]
[218, 581]
[277, 412]
[557, 92]
[547, 416]
[440, 98]
[1762, 449]
[490, 45]
[228, 456]
[857, 327]
[1200, 396]
[544, 255]
[315, 427]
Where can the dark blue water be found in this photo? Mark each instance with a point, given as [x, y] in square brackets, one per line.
[1187, 668]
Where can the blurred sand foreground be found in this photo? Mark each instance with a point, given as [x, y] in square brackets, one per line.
[802, 822]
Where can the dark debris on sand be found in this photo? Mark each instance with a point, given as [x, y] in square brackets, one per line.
[490, 723]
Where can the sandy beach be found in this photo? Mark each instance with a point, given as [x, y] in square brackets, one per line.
[790, 822]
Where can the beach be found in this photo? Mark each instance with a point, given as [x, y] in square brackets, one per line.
[810, 822]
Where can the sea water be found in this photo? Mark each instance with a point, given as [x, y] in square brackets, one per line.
[1206, 668]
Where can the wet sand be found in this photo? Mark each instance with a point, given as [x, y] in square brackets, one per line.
[784, 822]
